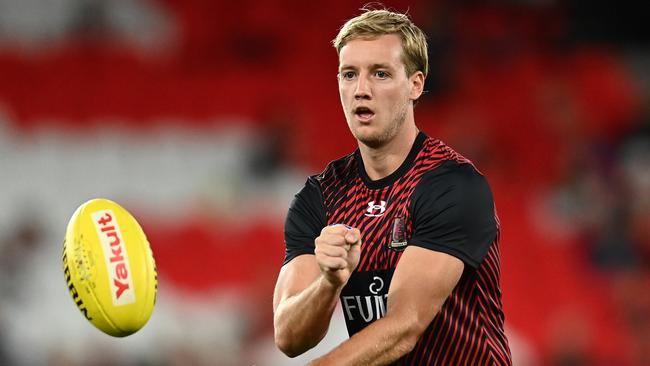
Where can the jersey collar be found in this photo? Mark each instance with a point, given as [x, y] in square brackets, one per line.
[394, 176]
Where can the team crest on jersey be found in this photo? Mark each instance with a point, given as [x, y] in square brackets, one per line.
[376, 210]
[398, 240]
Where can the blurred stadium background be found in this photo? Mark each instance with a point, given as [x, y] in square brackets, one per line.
[203, 118]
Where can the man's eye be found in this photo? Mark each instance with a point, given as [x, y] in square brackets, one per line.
[381, 74]
[348, 75]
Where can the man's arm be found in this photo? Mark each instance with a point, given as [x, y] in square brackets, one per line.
[300, 293]
[308, 288]
[422, 282]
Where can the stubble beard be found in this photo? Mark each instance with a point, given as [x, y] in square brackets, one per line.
[383, 137]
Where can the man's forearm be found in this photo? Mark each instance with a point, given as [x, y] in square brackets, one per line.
[301, 321]
[381, 343]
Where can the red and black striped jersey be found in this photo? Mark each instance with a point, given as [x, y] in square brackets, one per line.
[437, 200]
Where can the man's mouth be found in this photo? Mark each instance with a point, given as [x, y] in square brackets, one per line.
[364, 114]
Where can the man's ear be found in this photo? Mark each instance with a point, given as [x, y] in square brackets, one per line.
[417, 85]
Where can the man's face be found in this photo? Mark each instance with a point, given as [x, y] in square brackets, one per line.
[376, 93]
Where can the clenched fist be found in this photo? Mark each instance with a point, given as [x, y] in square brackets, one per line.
[337, 253]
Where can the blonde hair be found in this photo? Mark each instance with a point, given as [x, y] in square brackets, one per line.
[375, 23]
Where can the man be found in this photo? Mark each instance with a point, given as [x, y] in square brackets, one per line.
[403, 231]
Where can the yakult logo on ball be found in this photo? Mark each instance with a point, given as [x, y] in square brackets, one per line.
[117, 262]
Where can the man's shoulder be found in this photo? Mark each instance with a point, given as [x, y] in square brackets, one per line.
[441, 164]
[340, 168]
[436, 151]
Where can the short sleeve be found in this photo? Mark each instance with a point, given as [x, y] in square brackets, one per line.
[305, 220]
[453, 212]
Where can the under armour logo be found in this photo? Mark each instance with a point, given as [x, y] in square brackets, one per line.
[372, 209]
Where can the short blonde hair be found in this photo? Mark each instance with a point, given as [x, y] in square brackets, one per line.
[375, 23]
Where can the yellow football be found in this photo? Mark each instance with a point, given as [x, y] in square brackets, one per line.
[109, 268]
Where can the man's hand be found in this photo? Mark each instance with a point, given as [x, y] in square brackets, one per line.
[337, 253]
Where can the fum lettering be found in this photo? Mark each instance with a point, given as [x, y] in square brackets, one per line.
[121, 272]
[369, 308]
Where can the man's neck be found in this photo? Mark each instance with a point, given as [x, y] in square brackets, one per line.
[383, 161]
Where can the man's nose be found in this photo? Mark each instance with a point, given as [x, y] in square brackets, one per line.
[363, 89]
